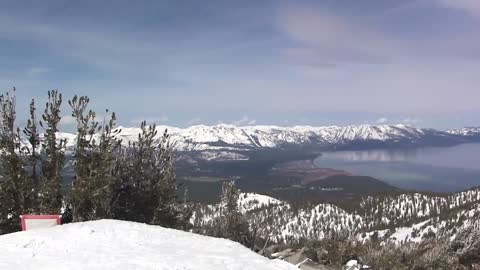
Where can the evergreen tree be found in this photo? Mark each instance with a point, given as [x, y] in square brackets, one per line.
[96, 149]
[16, 189]
[102, 168]
[145, 182]
[186, 212]
[135, 189]
[54, 155]
[33, 137]
[167, 213]
[233, 224]
[82, 190]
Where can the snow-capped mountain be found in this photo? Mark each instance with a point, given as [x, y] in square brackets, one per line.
[467, 131]
[229, 138]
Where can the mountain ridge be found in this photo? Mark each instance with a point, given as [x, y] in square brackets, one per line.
[283, 222]
[246, 138]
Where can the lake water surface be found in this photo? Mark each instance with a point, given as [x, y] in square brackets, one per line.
[433, 168]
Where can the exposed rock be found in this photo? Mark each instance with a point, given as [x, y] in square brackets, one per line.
[270, 250]
[309, 265]
[304, 259]
[283, 254]
[300, 256]
[322, 256]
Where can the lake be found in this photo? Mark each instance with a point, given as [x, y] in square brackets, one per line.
[431, 169]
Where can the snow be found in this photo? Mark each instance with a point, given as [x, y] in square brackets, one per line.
[251, 201]
[245, 138]
[221, 137]
[352, 265]
[404, 234]
[221, 156]
[113, 244]
[283, 223]
[467, 131]
[355, 265]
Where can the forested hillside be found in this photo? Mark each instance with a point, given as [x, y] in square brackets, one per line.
[284, 223]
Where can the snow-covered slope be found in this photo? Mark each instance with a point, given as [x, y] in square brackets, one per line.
[402, 217]
[251, 201]
[113, 244]
[231, 137]
[467, 131]
[235, 138]
[444, 226]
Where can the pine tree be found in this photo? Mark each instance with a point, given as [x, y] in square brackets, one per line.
[54, 156]
[167, 213]
[102, 168]
[136, 183]
[135, 188]
[186, 212]
[233, 223]
[33, 137]
[95, 152]
[82, 189]
[16, 188]
[145, 182]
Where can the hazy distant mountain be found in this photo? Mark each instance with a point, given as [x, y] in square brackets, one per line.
[467, 131]
[224, 142]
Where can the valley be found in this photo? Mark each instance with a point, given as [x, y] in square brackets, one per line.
[317, 163]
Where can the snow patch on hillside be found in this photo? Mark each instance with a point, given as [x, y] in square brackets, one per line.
[251, 201]
[467, 131]
[405, 234]
[221, 156]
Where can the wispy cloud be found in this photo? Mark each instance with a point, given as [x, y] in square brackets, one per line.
[68, 120]
[310, 57]
[244, 121]
[471, 7]
[194, 121]
[325, 39]
[150, 120]
[381, 120]
[37, 71]
[412, 121]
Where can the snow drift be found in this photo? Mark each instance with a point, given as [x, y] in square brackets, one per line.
[113, 244]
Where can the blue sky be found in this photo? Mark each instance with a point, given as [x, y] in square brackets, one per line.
[250, 62]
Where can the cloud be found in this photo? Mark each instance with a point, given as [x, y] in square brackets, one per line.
[194, 121]
[102, 48]
[36, 71]
[388, 66]
[245, 121]
[325, 38]
[150, 120]
[412, 121]
[68, 120]
[382, 120]
[303, 120]
[322, 38]
[471, 7]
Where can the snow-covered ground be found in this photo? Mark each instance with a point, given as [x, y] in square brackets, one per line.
[113, 244]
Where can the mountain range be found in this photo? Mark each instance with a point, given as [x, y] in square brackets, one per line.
[224, 140]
